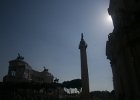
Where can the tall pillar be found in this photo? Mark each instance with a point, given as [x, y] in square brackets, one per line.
[84, 69]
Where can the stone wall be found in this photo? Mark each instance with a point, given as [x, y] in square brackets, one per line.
[123, 48]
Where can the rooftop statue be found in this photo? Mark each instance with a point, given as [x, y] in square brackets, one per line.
[19, 57]
[45, 69]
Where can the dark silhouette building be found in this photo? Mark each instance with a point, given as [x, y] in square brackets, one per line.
[24, 83]
[21, 71]
[123, 48]
[84, 69]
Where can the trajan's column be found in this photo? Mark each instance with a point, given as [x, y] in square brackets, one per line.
[84, 69]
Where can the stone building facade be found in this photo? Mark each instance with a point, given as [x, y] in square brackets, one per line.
[24, 83]
[21, 71]
[123, 48]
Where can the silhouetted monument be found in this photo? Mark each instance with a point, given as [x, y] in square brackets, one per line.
[24, 83]
[21, 71]
[84, 69]
[123, 48]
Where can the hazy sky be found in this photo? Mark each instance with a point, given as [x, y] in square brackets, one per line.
[48, 32]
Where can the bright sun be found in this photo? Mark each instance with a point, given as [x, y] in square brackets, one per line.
[109, 18]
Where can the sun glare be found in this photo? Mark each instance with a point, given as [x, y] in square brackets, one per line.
[109, 18]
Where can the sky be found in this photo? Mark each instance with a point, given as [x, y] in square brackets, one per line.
[47, 33]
